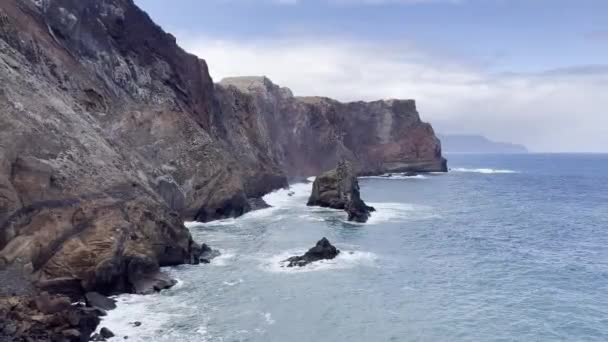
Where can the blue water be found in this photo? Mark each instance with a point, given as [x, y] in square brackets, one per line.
[503, 248]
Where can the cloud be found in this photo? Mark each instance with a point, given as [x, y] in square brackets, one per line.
[555, 110]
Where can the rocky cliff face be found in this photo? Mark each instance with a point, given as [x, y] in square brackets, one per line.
[111, 135]
[309, 135]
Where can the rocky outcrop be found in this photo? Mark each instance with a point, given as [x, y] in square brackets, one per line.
[323, 250]
[339, 189]
[45, 318]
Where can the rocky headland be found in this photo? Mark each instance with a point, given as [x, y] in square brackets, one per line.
[111, 136]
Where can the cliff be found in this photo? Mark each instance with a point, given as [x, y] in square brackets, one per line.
[111, 135]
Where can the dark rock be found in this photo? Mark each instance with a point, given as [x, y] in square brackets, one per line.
[257, 204]
[97, 300]
[23, 319]
[208, 254]
[323, 250]
[97, 338]
[50, 305]
[339, 189]
[150, 283]
[71, 334]
[170, 191]
[106, 333]
[136, 323]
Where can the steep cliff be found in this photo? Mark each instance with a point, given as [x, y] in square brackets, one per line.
[309, 135]
[111, 135]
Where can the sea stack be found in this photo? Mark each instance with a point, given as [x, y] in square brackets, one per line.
[323, 250]
[339, 189]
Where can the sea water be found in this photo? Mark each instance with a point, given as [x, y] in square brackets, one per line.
[502, 248]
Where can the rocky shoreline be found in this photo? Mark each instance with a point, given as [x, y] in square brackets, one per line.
[112, 136]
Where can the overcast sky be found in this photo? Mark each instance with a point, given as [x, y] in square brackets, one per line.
[525, 71]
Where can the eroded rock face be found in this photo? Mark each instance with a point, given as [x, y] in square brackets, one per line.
[339, 189]
[45, 318]
[323, 250]
[310, 135]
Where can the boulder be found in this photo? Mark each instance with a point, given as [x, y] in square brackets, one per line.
[339, 189]
[45, 318]
[207, 254]
[50, 305]
[323, 250]
[150, 283]
[106, 333]
[100, 301]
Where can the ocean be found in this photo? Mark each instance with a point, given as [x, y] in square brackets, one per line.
[502, 248]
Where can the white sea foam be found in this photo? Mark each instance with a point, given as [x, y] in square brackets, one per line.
[131, 308]
[223, 259]
[344, 260]
[295, 195]
[482, 170]
[195, 224]
[233, 283]
[268, 318]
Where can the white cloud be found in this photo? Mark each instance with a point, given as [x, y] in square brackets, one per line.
[552, 111]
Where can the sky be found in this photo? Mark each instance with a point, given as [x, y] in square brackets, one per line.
[525, 71]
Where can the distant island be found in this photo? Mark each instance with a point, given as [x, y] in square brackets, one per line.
[454, 143]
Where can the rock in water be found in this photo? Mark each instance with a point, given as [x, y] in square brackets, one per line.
[339, 189]
[100, 301]
[106, 333]
[207, 254]
[323, 250]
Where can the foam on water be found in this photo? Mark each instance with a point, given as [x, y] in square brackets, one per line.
[345, 260]
[296, 195]
[233, 283]
[482, 170]
[223, 259]
[141, 308]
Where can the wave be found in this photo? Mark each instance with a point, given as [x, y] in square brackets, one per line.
[482, 170]
[131, 308]
[223, 259]
[344, 260]
[296, 195]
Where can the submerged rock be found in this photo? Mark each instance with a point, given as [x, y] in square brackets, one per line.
[339, 189]
[324, 250]
[208, 253]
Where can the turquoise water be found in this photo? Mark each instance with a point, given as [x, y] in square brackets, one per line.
[503, 248]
